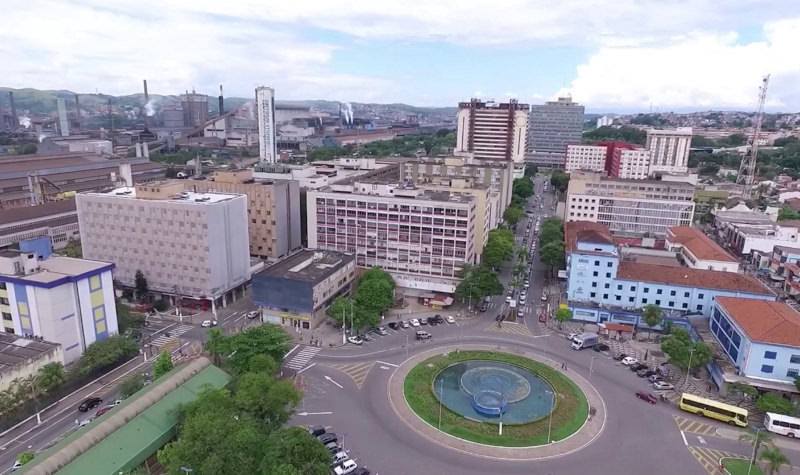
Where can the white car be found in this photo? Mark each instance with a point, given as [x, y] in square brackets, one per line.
[346, 467]
[414, 322]
[450, 319]
[628, 361]
[252, 314]
[663, 386]
[209, 323]
[572, 335]
[508, 299]
[521, 312]
[355, 340]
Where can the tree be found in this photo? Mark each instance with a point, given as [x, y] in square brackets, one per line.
[625, 133]
[680, 349]
[651, 316]
[162, 365]
[26, 457]
[563, 315]
[105, 353]
[128, 321]
[26, 149]
[522, 187]
[296, 452]
[216, 344]
[140, 283]
[559, 180]
[552, 254]
[531, 170]
[756, 438]
[744, 389]
[787, 212]
[131, 385]
[513, 215]
[267, 399]
[270, 340]
[50, 376]
[161, 305]
[478, 282]
[340, 308]
[499, 247]
[774, 459]
[263, 364]
[770, 402]
[797, 382]
[373, 295]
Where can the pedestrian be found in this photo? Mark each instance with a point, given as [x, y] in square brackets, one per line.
[563, 365]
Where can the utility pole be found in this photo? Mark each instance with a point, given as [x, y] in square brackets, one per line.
[689, 368]
[747, 169]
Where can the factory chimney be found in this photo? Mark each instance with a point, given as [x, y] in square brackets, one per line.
[146, 101]
[146, 150]
[138, 150]
[221, 106]
[14, 119]
[77, 111]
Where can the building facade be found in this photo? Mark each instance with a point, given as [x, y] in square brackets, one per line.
[641, 207]
[422, 238]
[630, 164]
[195, 109]
[56, 220]
[21, 358]
[298, 291]
[60, 299]
[492, 131]
[187, 244]
[265, 114]
[698, 251]
[585, 157]
[273, 209]
[669, 149]
[551, 127]
[497, 176]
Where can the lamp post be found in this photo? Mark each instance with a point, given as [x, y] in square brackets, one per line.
[689, 368]
[344, 327]
[755, 446]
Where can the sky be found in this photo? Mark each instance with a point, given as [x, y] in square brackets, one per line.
[612, 56]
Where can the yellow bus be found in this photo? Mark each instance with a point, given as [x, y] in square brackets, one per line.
[714, 409]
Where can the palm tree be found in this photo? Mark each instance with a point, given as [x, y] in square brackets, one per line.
[774, 459]
[756, 438]
[50, 376]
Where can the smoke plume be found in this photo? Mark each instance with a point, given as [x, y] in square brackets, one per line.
[149, 108]
[25, 121]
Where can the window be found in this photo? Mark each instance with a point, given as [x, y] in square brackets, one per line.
[618, 297]
[700, 296]
[792, 373]
[633, 288]
[607, 286]
[593, 295]
[671, 304]
[596, 263]
[594, 284]
[671, 293]
[659, 291]
[595, 274]
[609, 264]
[608, 275]
[647, 290]
[630, 299]
[686, 294]
[619, 287]
[699, 308]
[644, 300]
[684, 305]
[795, 359]
[605, 296]
[770, 355]
[3, 301]
[658, 302]
[765, 368]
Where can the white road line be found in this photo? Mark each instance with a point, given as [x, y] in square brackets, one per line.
[307, 367]
[684, 439]
[290, 351]
[390, 364]
[701, 440]
[334, 382]
[383, 367]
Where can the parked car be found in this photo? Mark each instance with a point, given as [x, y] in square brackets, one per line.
[333, 447]
[663, 386]
[381, 331]
[432, 321]
[620, 356]
[450, 319]
[438, 319]
[103, 410]
[423, 321]
[355, 340]
[629, 360]
[484, 307]
[394, 325]
[637, 366]
[90, 403]
[366, 337]
[655, 377]
[544, 296]
[348, 466]
[508, 299]
[252, 314]
[316, 431]
[327, 437]
[209, 323]
[339, 457]
[85, 422]
[642, 373]
[405, 324]
[647, 397]
[572, 335]
[361, 471]
[423, 335]
[601, 347]
[648, 373]
[414, 322]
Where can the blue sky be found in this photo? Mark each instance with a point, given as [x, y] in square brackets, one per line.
[611, 56]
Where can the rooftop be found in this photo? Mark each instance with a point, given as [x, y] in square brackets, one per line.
[587, 231]
[308, 266]
[16, 351]
[764, 321]
[184, 196]
[698, 243]
[25, 213]
[59, 269]
[686, 277]
[787, 249]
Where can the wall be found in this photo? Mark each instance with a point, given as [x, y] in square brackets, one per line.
[781, 364]
[9, 374]
[282, 294]
[59, 319]
[228, 244]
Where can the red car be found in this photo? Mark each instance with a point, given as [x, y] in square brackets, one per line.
[103, 410]
[647, 397]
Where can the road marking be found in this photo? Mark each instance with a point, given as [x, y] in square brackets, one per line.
[302, 358]
[389, 364]
[383, 367]
[314, 413]
[684, 439]
[334, 382]
[701, 440]
[290, 351]
[307, 367]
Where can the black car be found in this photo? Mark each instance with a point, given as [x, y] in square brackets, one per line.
[636, 367]
[620, 356]
[484, 307]
[601, 347]
[360, 471]
[432, 321]
[438, 319]
[316, 431]
[394, 325]
[643, 372]
[327, 437]
[90, 403]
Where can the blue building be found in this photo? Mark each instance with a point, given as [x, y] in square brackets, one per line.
[761, 339]
[604, 287]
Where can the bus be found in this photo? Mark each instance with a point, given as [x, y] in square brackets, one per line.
[714, 409]
[783, 425]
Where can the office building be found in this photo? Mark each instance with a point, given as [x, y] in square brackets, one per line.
[698, 251]
[669, 149]
[492, 131]
[629, 163]
[298, 291]
[586, 157]
[754, 232]
[21, 358]
[273, 209]
[60, 299]
[186, 244]
[265, 112]
[551, 127]
[639, 207]
[423, 238]
[195, 109]
[602, 285]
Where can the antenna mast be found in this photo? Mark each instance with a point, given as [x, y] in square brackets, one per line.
[747, 169]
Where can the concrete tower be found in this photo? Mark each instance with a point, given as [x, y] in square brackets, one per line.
[265, 110]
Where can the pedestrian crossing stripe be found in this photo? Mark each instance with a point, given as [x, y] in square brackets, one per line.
[709, 458]
[692, 426]
[356, 371]
[510, 328]
[162, 339]
[302, 357]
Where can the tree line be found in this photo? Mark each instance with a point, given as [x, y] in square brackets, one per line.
[373, 296]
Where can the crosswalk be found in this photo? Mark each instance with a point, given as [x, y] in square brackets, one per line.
[693, 426]
[357, 371]
[709, 458]
[301, 358]
[163, 340]
[510, 328]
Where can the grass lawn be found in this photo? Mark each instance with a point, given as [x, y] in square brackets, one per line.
[569, 415]
[739, 467]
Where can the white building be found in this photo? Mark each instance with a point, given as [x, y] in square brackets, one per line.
[604, 121]
[586, 157]
[669, 149]
[21, 358]
[265, 111]
[634, 164]
[492, 131]
[698, 251]
[61, 299]
[193, 245]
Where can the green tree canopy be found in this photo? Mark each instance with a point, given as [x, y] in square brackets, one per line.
[373, 295]
[769, 402]
[478, 282]
[216, 345]
[140, 283]
[266, 399]
[162, 365]
[559, 180]
[51, 376]
[131, 385]
[499, 247]
[513, 215]
[522, 187]
[105, 353]
[293, 451]
[270, 340]
[651, 315]
[552, 254]
[625, 133]
[756, 438]
[787, 212]
[678, 346]
[563, 315]
[774, 459]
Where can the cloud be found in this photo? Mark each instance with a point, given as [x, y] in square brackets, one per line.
[697, 71]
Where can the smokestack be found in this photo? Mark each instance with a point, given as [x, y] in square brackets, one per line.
[138, 150]
[221, 106]
[198, 168]
[126, 173]
[77, 110]
[63, 123]
[146, 100]
[14, 119]
[146, 150]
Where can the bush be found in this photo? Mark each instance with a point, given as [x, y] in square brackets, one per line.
[161, 305]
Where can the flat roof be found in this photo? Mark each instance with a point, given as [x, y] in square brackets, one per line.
[308, 266]
[702, 246]
[183, 197]
[59, 269]
[764, 321]
[16, 351]
[25, 213]
[687, 277]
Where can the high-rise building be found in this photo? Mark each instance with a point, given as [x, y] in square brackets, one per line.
[195, 109]
[586, 157]
[63, 123]
[669, 149]
[630, 163]
[265, 110]
[492, 131]
[186, 244]
[551, 127]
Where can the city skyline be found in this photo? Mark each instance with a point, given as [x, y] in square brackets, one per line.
[696, 55]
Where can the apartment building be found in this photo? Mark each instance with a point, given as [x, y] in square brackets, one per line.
[422, 238]
[492, 131]
[298, 291]
[640, 207]
[630, 164]
[585, 157]
[669, 149]
[496, 176]
[60, 299]
[187, 244]
[273, 209]
[698, 251]
[751, 233]
[553, 126]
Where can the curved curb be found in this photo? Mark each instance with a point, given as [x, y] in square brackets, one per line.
[578, 440]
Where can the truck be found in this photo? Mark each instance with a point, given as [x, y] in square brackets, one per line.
[584, 340]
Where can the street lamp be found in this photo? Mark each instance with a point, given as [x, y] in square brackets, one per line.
[755, 446]
[689, 368]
